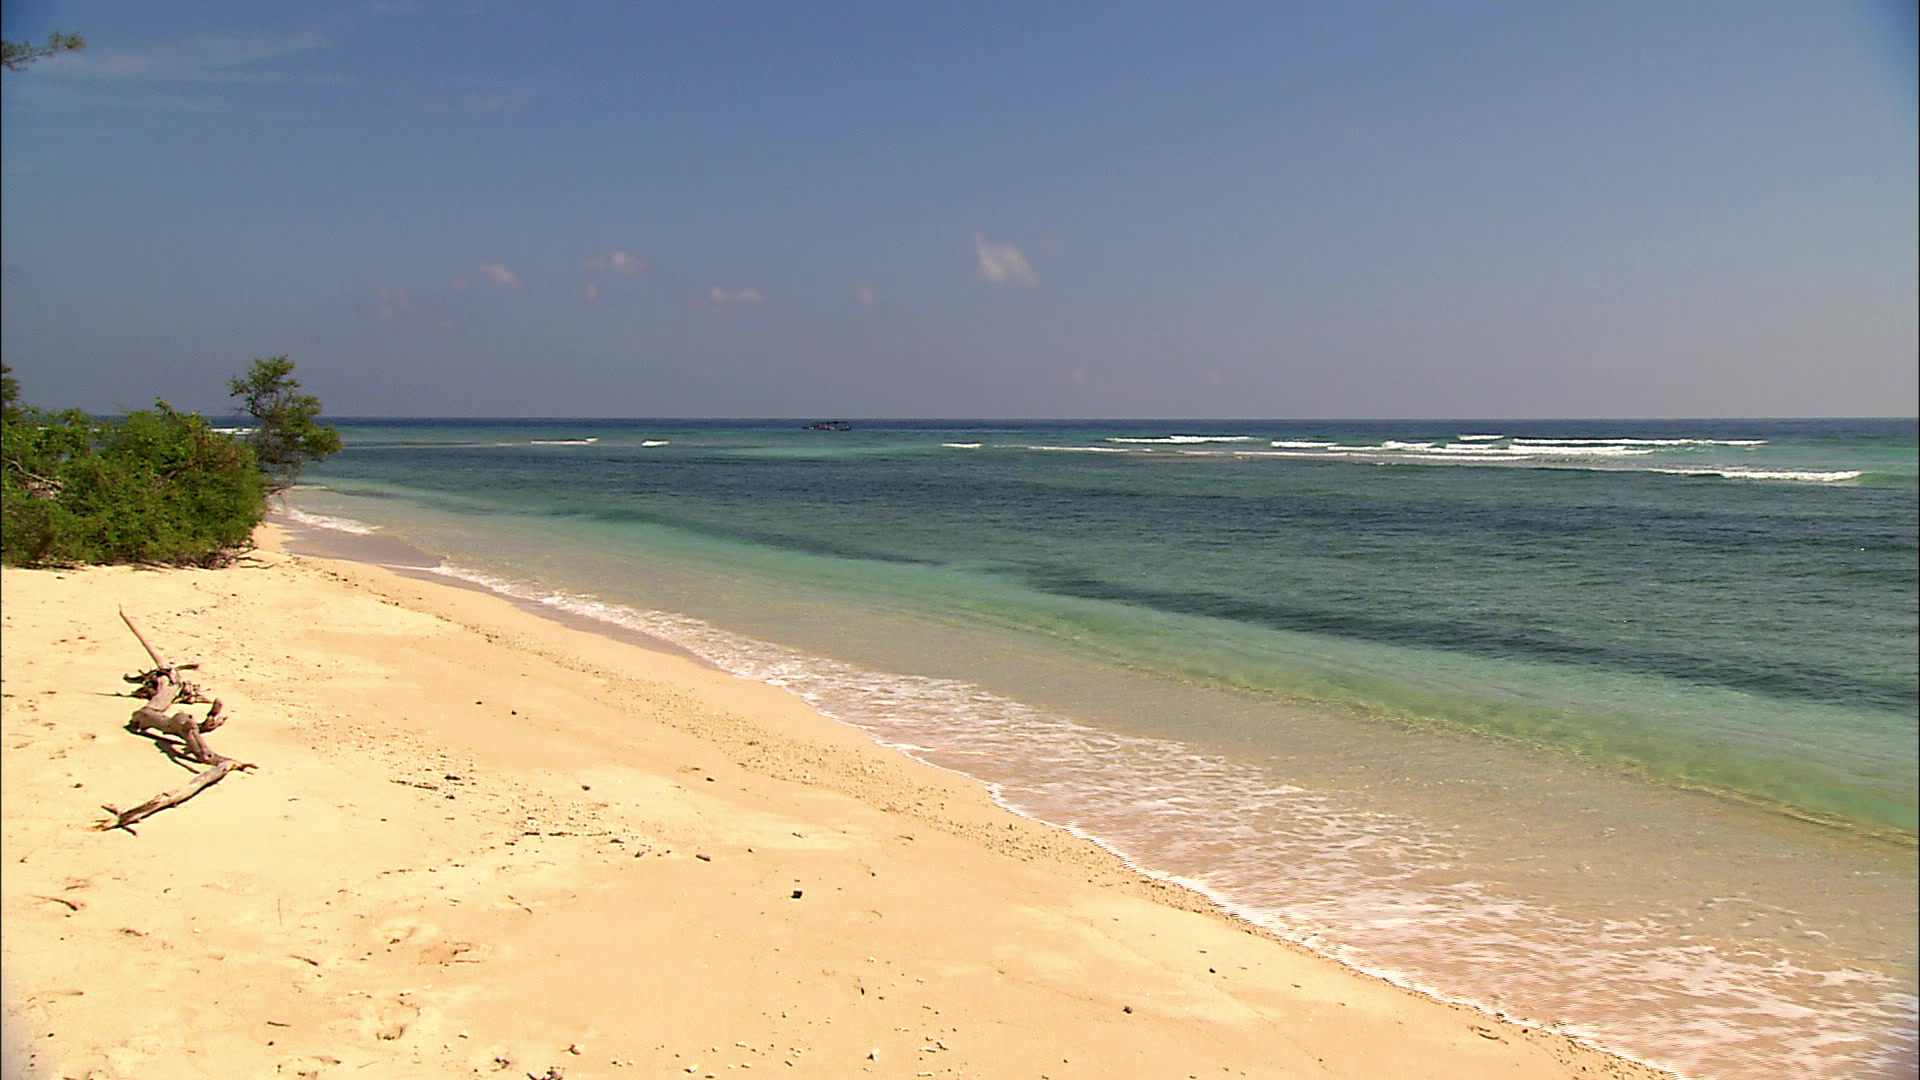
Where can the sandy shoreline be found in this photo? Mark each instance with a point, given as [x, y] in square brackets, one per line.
[480, 842]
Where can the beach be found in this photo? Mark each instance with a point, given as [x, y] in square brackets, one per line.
[1618, 715]
[483, 842]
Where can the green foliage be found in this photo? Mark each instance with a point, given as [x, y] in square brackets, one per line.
[18, 54]
[158, 486]
[9, 394]
[285, 436]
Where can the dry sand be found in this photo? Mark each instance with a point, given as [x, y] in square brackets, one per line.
[484, 843]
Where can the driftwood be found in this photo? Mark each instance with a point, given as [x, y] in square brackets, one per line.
[185, 692]
[200, 782]
[181, 725]
[163, 687]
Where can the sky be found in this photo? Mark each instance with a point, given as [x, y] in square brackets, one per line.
[945, 209]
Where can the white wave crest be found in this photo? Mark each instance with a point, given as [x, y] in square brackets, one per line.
[1835, 477]
[655, 442]
[962, 445]
[1639, 442]
[336, 524]
[1186, 439]
[1299, 444]
[1480, 438]
[563, 442]
[1492, 455]
[1489, 452]
[1598, 450]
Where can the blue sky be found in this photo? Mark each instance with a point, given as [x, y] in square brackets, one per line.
[962, 209]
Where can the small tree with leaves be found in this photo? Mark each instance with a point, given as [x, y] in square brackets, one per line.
[18, 54]
[9, 395]
[284, 436]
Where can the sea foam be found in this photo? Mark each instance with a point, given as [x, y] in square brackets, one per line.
[1523, 441]
[1185, 439]
[337, 524]
[1810, 477]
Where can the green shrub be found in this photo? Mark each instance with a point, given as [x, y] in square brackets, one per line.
[158, 486]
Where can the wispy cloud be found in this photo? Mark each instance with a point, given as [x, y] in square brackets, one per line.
[491, 95]
[725, 300]
[1003, 263]
[617, 260]
[397, 306]
[591, 291]
[202, 58]
[863, 294]
[500, 275]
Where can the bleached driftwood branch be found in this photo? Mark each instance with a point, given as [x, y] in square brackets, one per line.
[200, 782]
[185, 692]
[163, 687]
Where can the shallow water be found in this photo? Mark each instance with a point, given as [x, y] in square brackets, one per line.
[1548, 740]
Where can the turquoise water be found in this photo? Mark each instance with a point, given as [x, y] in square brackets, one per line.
[1618, 715]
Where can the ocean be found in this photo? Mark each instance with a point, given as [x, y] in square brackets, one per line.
[1602, 726]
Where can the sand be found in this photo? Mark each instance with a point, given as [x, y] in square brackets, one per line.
[479, 842]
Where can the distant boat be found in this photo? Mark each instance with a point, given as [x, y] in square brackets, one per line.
[829, 425]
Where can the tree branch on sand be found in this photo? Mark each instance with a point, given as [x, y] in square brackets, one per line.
[162, 686]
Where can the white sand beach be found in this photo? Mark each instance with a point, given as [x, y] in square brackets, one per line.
[479, 842]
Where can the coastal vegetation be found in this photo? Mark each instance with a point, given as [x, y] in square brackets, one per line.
[16, 55]
[285, 434]
[155, 486]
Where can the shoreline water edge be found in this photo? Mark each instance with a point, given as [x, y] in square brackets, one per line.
[1601, 728]
[1543, 690]
[482, 842]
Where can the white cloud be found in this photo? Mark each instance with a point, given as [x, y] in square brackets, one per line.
[202, 58]
[617, 260]
[501, 275]
[863, 294]
[722, 298]
[1001, 263]
[591, 291]
[393, 303]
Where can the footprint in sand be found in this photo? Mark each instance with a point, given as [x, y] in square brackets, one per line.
[407, 931]
[308, 1068]
[387, 1020]
[455, 952]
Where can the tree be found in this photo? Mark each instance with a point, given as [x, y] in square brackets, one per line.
[18, 54]
[9, 394]
[284, 436]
